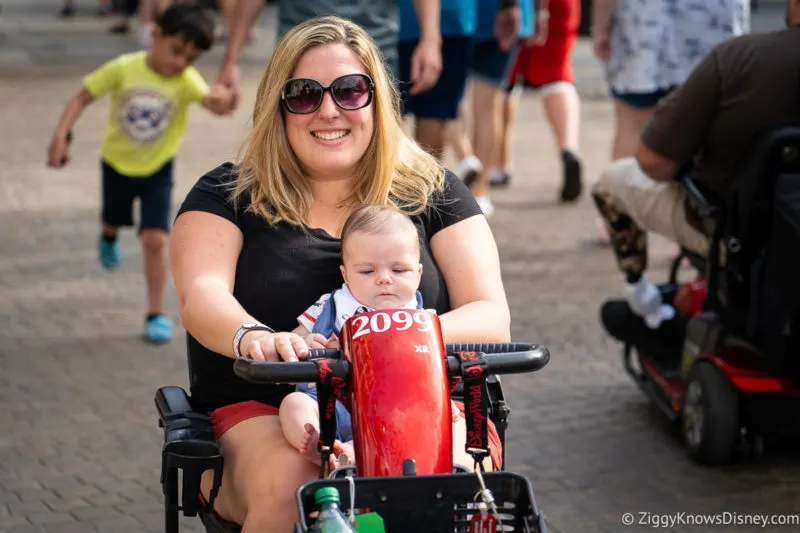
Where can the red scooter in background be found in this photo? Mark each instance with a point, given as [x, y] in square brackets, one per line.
[395, 374]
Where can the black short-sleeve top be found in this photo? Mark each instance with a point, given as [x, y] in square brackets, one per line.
[282, 269]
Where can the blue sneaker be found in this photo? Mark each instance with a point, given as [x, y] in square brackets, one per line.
[158, 329]
[109, 253]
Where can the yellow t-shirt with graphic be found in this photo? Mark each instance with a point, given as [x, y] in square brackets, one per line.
[148, 112]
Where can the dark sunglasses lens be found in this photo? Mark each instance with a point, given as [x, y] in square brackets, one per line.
[302, 96]
[351, 92]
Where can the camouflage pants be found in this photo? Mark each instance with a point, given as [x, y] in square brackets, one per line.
[632, 204]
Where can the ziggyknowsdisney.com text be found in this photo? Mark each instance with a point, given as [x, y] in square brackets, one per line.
[726, 518]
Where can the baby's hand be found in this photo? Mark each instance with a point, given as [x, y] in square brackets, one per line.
[316, 341]
[332, 342]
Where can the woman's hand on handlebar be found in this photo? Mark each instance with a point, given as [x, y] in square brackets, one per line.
[280, 346]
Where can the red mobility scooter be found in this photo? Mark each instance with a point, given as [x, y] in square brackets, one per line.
[728, 372]
[397, 378]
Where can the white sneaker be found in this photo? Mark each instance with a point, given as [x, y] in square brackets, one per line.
[665, 312]
[486, 205]
[645, 301]
[643, 297]
[470, 165]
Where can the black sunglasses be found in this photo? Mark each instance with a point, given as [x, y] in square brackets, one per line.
[350, 92]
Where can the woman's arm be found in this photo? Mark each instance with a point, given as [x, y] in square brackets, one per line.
[204, 251]
[466, 254]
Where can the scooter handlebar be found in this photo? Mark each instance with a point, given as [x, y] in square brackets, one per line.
[305, 371]
[501, 358]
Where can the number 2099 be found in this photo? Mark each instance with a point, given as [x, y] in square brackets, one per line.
[396, 321]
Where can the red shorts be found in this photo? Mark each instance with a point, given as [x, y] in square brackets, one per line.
[224, 418]
[552, 62]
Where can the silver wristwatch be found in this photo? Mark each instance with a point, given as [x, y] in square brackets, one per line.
[252, 326]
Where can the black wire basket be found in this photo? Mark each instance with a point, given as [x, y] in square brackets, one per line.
[430, 504]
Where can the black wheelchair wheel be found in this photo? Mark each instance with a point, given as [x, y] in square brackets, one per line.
[710, 425]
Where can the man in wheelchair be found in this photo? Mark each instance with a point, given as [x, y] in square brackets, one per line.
[744, 86]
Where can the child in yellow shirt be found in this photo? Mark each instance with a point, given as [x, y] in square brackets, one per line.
[150, 95]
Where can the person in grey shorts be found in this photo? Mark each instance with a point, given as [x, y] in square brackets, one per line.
[380, 18]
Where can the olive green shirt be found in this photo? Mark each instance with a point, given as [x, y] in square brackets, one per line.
[380, 18]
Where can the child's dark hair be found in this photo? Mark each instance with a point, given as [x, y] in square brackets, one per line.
[189, 21]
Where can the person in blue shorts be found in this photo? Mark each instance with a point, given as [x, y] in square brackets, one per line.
[493, 49]
[434, 108]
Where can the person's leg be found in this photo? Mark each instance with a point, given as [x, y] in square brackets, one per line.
[297, 410]
[116, 212]
[500, 173]
[490, 67]
[128, 14]
[631, 204]
[458, 138]
[262, 472]
[67, 8]
[155, 202]
[227, 9]
[562, 108]
[487, 106]
[156, 273]
[500, 176]
[433, 109]
[149, 10]
[428, 131]
[631, 113]
[630, 120]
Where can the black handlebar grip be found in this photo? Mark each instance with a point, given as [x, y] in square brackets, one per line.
[282, 372]
[324, 353]
[501, 358]
[488, 347]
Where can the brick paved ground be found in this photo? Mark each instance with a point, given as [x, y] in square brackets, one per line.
[79, 449]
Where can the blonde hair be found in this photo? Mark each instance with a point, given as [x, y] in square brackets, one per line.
[377, 220]
[394, 170]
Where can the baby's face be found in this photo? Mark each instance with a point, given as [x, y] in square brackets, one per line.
[382, 271]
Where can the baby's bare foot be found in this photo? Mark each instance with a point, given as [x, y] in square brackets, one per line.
[308, 447]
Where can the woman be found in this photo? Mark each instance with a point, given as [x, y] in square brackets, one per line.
[257, 243]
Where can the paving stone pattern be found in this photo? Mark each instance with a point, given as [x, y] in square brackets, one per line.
[79, 448]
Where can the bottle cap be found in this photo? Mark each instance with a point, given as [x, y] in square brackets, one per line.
[326, 494]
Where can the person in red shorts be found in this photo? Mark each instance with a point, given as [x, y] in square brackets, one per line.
[544, 62]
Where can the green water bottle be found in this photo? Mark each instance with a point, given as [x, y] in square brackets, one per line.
[330, 519]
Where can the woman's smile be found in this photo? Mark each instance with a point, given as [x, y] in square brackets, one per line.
[330, 137]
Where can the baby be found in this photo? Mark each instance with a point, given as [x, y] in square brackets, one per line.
[381, 270]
